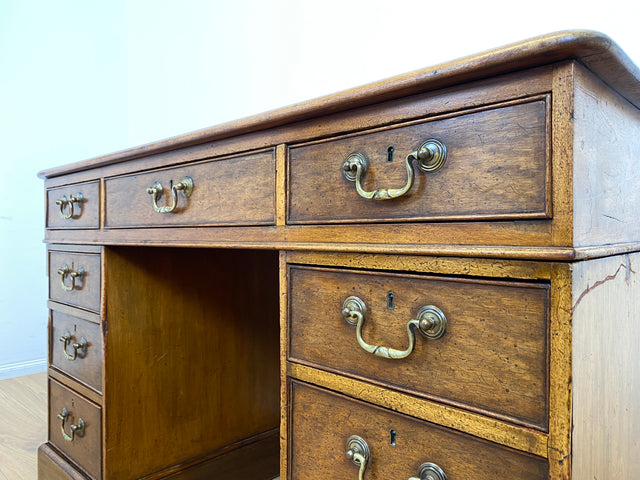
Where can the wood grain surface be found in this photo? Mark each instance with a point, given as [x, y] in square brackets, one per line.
[204, 356]
[606, 391]
[599, 52]
[322, 422]
[24, 428]
[85, 213]
[492, 358]
[496, 166]
[87, 288]
[191, 354]
[87, 365]
[238, 190]
[82, 449]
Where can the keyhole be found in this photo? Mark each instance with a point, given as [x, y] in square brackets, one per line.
[390, 150]
[392, 437]
[390, 297]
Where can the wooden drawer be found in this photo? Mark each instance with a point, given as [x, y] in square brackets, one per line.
[322, 422]
[492, 357]
[83, 363]
[230, 191]
[74, 206]
[82, 447]
[75, 279]
[53, 466]
[496, 167]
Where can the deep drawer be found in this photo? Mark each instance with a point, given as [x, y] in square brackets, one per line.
[75, 279]
[231, 191]
[323, 422]
[66, 409]
[74, 206]
[76, 348]
[496, 166]
[492, 357]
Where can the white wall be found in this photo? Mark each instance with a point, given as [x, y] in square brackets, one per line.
[83, 78]
[63, 97]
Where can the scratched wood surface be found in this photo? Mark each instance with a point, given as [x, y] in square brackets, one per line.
[599, 52]
[323, 421]
[497, 157]
[606, 173]
[219, 195]
[199, 327]
[492, 358]
[606, 391]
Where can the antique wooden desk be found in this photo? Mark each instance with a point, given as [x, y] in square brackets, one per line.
[430, 277]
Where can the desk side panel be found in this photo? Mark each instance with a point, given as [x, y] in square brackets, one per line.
[606, 389]
[606, 155]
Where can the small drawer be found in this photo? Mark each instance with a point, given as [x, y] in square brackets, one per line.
[74, 206]
[53, 466]
[324, 424]
[484, 345]
[75, 279]
[75, 428]
[76, 348]
[230, 191]
[495, 167]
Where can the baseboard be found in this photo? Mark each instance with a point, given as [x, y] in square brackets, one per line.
[23, 368]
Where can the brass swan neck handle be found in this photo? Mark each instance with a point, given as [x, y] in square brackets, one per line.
[185, 186]
[431, 156]
[430, 322]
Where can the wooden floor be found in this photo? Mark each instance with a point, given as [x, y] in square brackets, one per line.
[23, 425]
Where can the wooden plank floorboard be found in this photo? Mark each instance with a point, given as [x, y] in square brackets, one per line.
[23, 427]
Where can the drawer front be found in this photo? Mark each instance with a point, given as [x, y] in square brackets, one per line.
[82, 446]
[52, 466]
[75, 279]
[495, 167]
[232, 191]
[74, 206]
[322, 423]
[491, 357]
[76, 348]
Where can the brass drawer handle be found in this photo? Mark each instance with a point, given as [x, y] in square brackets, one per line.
[430, 322]
[66, 205]
[65, 272]
[75, 429]
[358, 452]
[156, 190]
[78, 348]
[430, 156]
[429, 471]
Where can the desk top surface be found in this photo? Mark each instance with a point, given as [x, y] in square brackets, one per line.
[596, 51]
